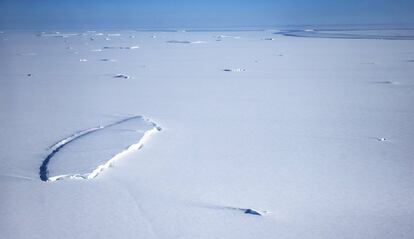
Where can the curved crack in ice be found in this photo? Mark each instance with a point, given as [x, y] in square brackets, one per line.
[54, 149]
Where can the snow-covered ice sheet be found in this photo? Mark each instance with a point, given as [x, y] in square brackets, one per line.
[314, 134]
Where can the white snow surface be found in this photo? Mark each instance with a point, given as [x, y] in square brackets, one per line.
[294, 138]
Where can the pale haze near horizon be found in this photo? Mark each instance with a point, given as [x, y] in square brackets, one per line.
[23, 14]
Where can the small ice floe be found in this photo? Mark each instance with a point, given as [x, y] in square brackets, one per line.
[91, 39]
[83, 60]
[226, 36]
[107, 59]
[99, 34]
[121, 47]
[269, 39]
[122, 76]
[381, 139]
[235, 70]
[180, 42]
[28, 54]
[58, 34]
[309, 30]
[107, 39]
[96, 50]
[386, 82]
[185, 42]
[153, 36]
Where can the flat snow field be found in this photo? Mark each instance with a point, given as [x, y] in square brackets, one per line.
[174, 134]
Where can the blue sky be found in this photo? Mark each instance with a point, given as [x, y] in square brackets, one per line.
[196, 13]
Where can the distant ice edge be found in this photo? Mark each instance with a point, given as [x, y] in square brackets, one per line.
[56, 147]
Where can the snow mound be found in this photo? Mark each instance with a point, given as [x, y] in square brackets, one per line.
[122, 76]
